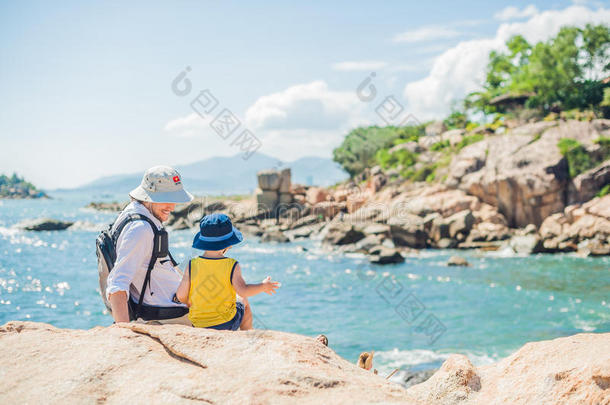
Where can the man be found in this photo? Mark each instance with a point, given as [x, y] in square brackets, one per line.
[156, 197]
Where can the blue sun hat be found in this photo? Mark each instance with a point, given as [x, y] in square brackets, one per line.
[216, 232]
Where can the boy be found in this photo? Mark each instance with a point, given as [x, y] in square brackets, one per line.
[212, 283]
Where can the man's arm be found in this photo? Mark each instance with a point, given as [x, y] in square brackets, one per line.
[118, 304]
[134, 249]
[184, 288]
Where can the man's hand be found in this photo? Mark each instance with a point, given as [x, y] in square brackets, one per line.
[118, 304]
[269, 286]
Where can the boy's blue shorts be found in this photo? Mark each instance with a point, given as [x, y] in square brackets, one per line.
[234, 323]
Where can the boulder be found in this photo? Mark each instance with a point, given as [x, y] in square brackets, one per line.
[457, 261]
[328, 209]
[522, 173]
[369, 242]
[139, 363]
[316, 195]
[285, 199]
[376, 229]
[385, 255]
[586, 185]
[567, 230]
[411, 146]
[44, 224]
[285, 181]
[274, 235]
[435, 128]
[454, 136]
[567, 370]
[340, 233]
[355, 202]
[526, 244]
[408, 230]
[107, 206]
[266, 200]
[269, 180]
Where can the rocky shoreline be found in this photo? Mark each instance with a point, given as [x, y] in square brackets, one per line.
[511, 190]
[179, 364]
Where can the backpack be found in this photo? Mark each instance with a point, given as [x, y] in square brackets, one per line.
[106, 258]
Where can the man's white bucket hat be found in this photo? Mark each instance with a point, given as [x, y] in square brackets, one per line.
[161, 184]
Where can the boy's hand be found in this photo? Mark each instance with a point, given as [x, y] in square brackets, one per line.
[269, 286]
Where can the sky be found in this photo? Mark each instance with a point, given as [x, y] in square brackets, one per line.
[89, 89]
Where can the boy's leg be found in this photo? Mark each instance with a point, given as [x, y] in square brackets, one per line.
[246, 321]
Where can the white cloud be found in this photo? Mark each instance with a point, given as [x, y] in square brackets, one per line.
[461, 69]
[303, 106]
[304, 119]
[512, 13]
[188, 126]
[359, 66]
[425, 34]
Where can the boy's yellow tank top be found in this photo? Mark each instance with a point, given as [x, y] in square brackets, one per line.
[212, 296]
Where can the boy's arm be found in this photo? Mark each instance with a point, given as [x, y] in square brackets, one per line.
[185, 286]
[248, 290]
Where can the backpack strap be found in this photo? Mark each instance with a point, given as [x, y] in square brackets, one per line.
[153, 258]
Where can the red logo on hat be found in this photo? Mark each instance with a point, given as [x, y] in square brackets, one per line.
[176, 179]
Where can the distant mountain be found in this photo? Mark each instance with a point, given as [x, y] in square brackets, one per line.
[230, 175]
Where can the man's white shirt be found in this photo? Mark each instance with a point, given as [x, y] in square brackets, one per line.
[134, 249]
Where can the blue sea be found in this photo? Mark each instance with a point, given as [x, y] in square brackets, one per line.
[412, 314]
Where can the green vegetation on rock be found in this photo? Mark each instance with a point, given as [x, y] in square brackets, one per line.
[579, 158]
[360, 147]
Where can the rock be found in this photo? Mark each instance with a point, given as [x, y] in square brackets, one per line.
[526, 244]
[522, 173]
[316, 195]
[446, 243]
[566, 231]
[266, 200]
[408, 230]
[385, 255]
[340, 233]
[369, 242]
[355, 202]
[453, 383]
[376, 229]
[179, 364]
[107, 206]
[269, 180]
[328, 209]
[435, 128]
[411, 378]
[44, 224]
[567, 370]
[454, 136]
[586, 185]
[460, 222]
[285, 181]
[285, 199]
[594, 247]
[298, 189]
[305, 221]
[274, 236]
[376, 182]
[411, 146]
[457, 261]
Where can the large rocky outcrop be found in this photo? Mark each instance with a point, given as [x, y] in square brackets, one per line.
[583, 227]
[569, 370]
[138, 363]
[523, 173]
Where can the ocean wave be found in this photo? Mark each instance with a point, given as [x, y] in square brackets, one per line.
[389, 360]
